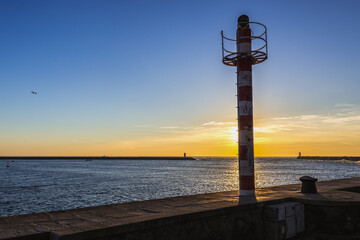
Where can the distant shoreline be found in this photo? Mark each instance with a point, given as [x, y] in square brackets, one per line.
[329, 158]
[91, 158]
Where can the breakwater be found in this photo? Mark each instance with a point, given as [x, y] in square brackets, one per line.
[91, 158]
[276, 213]
[329, 158]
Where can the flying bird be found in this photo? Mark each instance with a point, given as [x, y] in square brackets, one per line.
[35, 93]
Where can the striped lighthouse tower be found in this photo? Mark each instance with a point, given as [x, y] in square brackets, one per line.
[245, 108]
[245, 56]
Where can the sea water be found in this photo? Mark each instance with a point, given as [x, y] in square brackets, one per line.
[29, 186]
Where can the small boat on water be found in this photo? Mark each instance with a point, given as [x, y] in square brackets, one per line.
[7, 165]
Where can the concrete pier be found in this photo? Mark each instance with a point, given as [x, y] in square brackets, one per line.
[332, 213]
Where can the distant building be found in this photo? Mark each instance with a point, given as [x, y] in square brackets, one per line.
[184, 155]
[299, 154]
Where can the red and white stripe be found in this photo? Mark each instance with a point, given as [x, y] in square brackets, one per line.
[245, 112]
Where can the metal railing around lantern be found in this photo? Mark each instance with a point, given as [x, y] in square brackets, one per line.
[258, 55]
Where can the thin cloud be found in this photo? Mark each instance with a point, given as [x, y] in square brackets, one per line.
[213, 123]
[209, 123]
[344, 105]
[272, 129]
[343, 119]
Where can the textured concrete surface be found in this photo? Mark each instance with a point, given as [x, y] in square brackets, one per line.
[96, 222]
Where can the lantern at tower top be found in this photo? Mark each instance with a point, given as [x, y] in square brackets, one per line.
[243, 21]
[259, 50]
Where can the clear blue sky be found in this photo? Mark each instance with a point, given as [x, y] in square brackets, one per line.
[110, 72]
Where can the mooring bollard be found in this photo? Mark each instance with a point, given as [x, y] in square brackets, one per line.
[308, 184]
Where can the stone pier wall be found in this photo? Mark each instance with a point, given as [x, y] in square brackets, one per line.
[224, 224]
[333, 213]
[333, 220]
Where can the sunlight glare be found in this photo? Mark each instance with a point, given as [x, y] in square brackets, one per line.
[233, 134]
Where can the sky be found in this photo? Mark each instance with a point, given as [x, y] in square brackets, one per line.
[136, 78]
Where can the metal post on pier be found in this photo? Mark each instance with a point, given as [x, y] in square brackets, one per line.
[244, 57]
